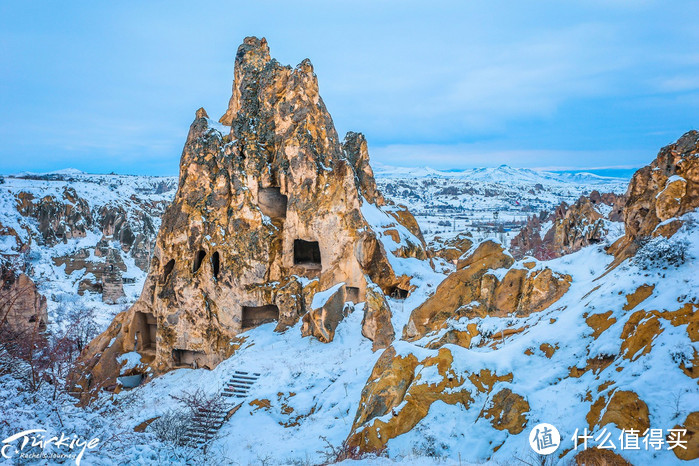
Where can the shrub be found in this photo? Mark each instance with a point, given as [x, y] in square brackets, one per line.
[661, 252]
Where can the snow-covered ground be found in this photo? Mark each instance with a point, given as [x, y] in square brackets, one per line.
[309, 392]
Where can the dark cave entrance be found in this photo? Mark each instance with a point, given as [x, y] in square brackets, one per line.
[352, 294]
[396, 292]
[216, 263]
[198, 259]
[306, 253]
[146, 328]
[167, 270]
[187, 358]
[258, 315]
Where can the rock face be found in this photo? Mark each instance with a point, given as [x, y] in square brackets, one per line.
[326, 313]
[659, 193]
[22, 308]
[474, 290]
[569, 228]
[450, 249]
[402, 388]
[357, 153]
[268, 212]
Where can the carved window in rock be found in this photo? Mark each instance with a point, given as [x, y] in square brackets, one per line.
[272, 202]
[307, 253]
[258, 315]
[198, 259]
[216, 263]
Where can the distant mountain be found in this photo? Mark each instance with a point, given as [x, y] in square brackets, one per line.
[501, 174]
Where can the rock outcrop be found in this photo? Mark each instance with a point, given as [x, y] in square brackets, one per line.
[376, 324]
[659, 194]
[402, 388]
[59, 219]
[268, 212]
[450, 249]
[22, 307]
[474, 290]
[568, 228]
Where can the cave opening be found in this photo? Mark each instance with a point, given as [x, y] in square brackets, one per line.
[216, 263]
[146, 329]
[306, 253]
[187, 358]
[352, 294]
[272, 202]
[258, 315]
[396, 292]
[198, 259]
[167, 270]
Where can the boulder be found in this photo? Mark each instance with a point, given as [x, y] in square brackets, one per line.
[327, 310]
[376, 324]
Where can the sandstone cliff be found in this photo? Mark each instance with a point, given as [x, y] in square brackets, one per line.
[271, 209]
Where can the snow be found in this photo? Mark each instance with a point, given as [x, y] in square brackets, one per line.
[448, 202]
[129, 360]
[320, 298]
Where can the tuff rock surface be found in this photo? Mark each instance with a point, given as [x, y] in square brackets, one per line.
[22, 307]
[268, 212]
[475, 290]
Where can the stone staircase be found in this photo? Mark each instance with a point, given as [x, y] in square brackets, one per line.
[208, 420]
[240, 383]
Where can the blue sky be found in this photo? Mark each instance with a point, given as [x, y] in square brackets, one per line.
[113, 86]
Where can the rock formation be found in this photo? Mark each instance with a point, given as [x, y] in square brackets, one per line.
[268, 212]
[626, 329]
[474, 290]
[450, 249]
[660, 193]
[22, 308]
[570, 228]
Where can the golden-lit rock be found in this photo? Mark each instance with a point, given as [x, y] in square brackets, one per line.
[401, 390]
[659, 192]
[507, 411]
[473, 291]
[268, 213]
[691, 424]
[376, 324]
